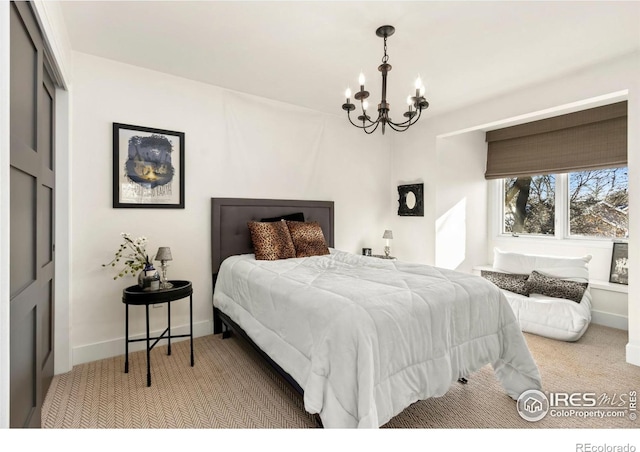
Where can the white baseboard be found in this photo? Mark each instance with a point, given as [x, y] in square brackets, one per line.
[115, 347]
[620, 322]
[633, 353]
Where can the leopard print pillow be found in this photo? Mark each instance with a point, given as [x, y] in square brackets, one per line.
[555, 287]
[271, 240]
[513, 282]
[308, 238]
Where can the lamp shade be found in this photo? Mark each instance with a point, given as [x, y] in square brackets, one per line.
[387, 234]
[164, 254]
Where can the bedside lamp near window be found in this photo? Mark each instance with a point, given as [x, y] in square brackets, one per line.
[164, 255]
[388, 235]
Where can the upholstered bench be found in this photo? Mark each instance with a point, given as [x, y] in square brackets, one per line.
[550, 296]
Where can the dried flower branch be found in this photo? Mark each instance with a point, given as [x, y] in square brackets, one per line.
[131, 255]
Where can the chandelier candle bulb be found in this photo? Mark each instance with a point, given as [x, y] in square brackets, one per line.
[410, 113]
[364, 117]
[348, 106]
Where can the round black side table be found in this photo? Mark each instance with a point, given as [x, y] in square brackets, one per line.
[134, 295]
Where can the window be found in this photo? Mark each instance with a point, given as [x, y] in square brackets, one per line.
[599, 203]
[586, 204]
[564, 176]
[529, 205]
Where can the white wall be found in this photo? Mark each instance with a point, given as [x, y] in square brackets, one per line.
[237, 145]
[422, 156]
[461, 201]
[5, 52]
[633, 347]
[413, 163]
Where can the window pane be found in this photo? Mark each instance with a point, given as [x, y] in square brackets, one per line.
[599, 203]
[529, 205]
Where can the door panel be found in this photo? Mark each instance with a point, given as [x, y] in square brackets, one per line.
[47, 121]
[24, 75]
[24, 375]
[23, 230]
[45, 251]
[32, 214]
[46, 331]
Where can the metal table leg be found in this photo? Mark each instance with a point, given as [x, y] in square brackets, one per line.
[169, 328]
[126, 340]
[191, 326]
[148, 349]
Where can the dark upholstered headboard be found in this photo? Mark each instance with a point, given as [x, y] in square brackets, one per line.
[229, 217]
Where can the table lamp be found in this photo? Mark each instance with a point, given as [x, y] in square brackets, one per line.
[388, 235]
[163, 255]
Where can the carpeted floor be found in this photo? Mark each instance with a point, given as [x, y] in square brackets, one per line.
[230, 387]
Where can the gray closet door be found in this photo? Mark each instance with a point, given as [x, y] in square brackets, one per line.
[32, 219]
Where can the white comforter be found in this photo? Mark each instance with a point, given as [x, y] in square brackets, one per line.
[366, 337]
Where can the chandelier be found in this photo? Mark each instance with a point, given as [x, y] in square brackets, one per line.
[415, 103]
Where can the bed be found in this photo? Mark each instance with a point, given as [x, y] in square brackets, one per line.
[359, 338]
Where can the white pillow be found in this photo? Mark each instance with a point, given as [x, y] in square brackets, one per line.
[569, 268]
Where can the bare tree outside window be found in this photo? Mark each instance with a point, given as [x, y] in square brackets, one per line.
[529, 205]
[599, 203]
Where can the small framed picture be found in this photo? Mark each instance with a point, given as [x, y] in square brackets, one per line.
[619, 263]
[411, 200]
[148, 167]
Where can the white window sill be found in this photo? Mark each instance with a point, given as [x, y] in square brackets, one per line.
[574, 241]
[606, 285]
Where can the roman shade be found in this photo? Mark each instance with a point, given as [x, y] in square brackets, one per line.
[588, 139]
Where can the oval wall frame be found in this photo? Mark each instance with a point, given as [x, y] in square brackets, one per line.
[414, 205]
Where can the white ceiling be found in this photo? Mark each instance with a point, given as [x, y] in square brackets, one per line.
[307, 52]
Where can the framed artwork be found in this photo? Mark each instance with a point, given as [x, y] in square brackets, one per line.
[619, 263]
[148, 167]
[411, 200]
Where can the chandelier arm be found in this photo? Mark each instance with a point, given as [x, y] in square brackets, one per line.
[377, 123]
[416, 117]
[405, 125]
[396, 128]
[353, 123]
[368, 118]
[401, 127]
[408, 122]
[365, 126]
[370, 122]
